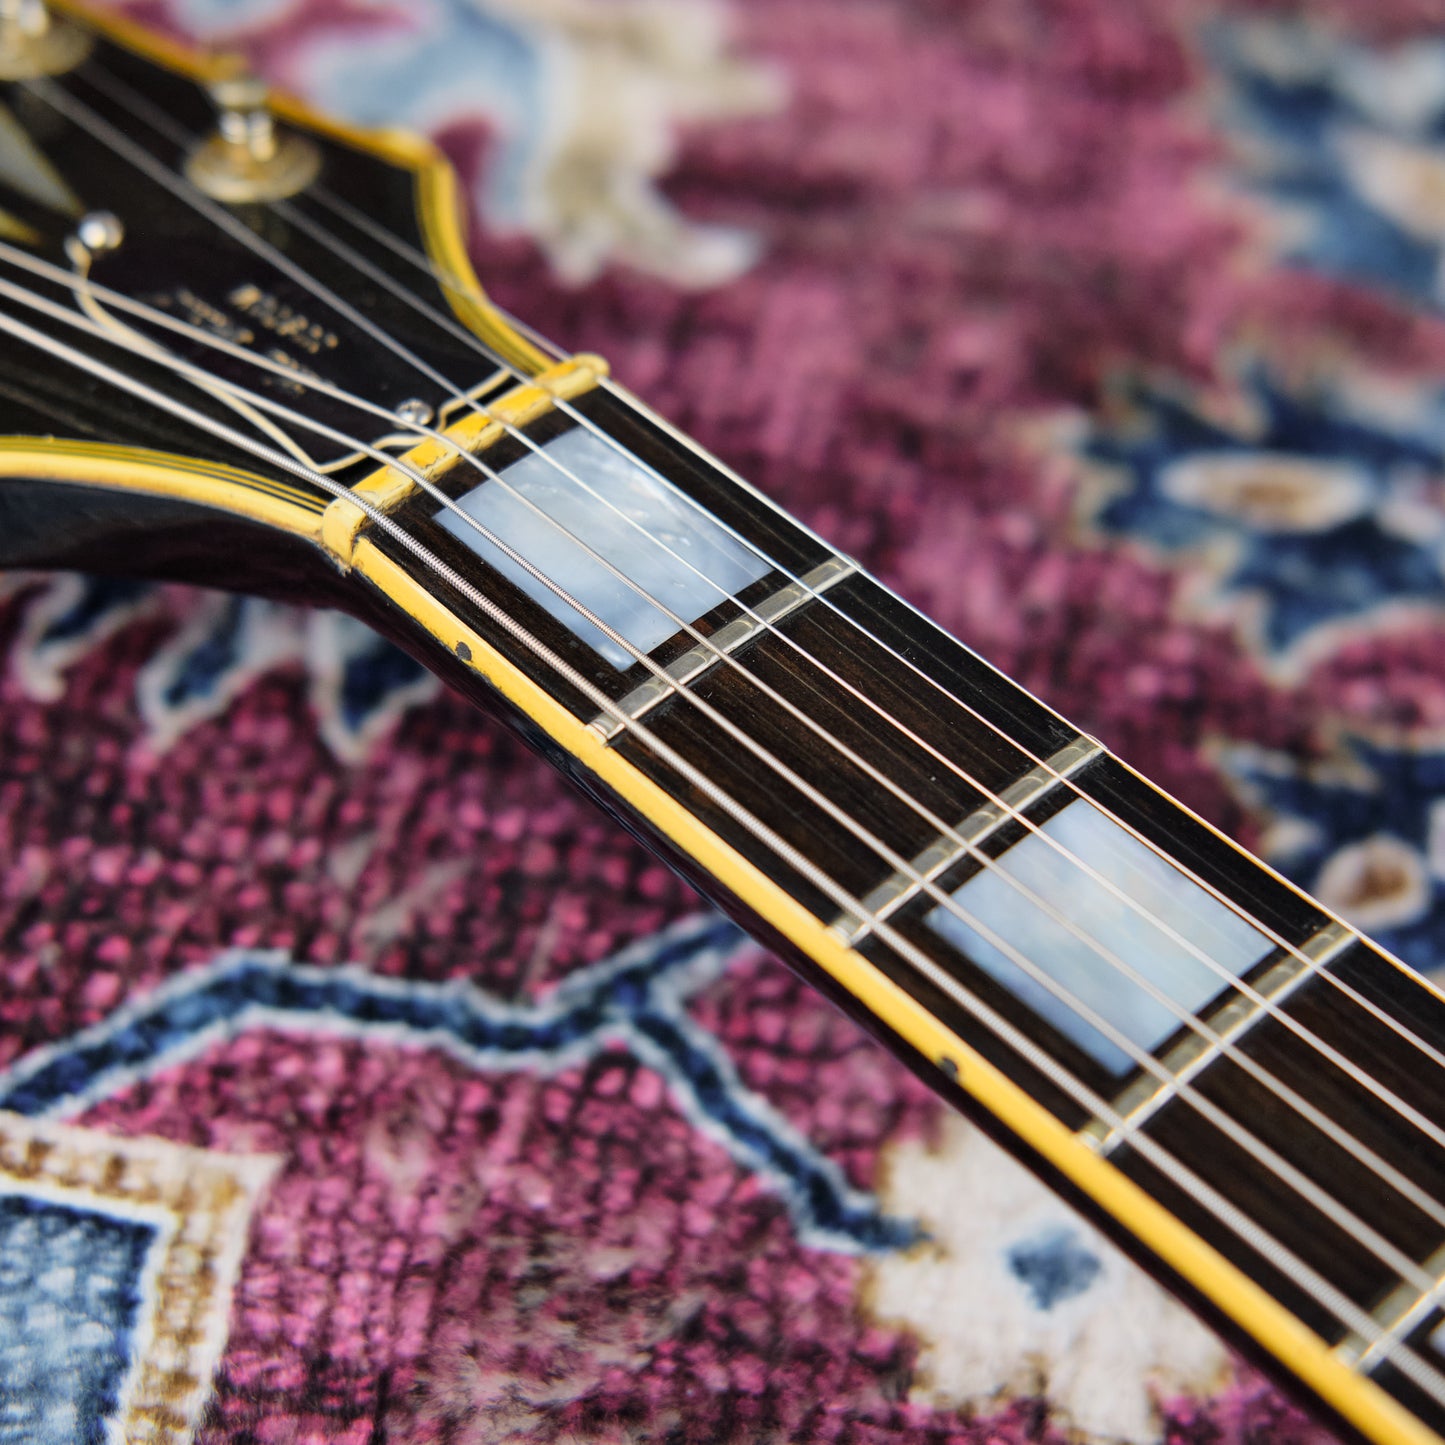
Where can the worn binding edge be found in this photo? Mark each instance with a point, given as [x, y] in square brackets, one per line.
[690, 445]
[250, 494]
[1357, 1399]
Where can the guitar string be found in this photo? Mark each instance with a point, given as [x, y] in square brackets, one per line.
[1330, 1127]
[144, 110]
[1329, 1296]
[452, 285]
[1359, 1074]
[1350, 1315]
[1185, 1017]
[840, 817]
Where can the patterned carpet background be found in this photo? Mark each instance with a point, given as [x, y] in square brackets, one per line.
[359, 1083]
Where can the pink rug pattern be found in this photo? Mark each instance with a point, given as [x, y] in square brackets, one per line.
[1109, 333]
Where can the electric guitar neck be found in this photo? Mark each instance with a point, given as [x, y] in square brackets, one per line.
[244, 346]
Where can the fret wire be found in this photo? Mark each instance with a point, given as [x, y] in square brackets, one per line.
[728, 639]
[515, 558]
[1301, 1183]
[975, 830]
[1398, 1315]
[1303, 1275]
[1299, 975]
[138, 105]
[1191, 1056]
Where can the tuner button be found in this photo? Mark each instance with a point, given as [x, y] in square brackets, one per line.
[248, 160]
[34, 43]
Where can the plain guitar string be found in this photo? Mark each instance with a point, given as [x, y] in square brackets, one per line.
[149, 113]
[1402, 1265]
[1350, 1315]
[448, 284]
[1045, 905]
[409, 253]
[1415, 1367]
[145, 111]
[389, 461]
[1185, 1017]
[1406, 1187]
[1219, 1044]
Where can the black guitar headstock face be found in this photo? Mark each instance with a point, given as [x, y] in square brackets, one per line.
[128, 240]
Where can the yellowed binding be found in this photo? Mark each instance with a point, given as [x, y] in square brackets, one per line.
[389, 487]
[162, 474]
[339, 528]
[248, 494]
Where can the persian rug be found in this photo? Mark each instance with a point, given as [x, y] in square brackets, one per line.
[358, 1082]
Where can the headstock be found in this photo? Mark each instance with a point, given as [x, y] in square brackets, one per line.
[269, 306]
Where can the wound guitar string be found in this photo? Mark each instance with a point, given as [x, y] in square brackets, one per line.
[1105, 882]
[144, 110]
[1401, 1263]
[1327, 1125]
[1144, 1060]
[1321, 1120]
[455, 287]
[1329, 1297]
[1312, 966]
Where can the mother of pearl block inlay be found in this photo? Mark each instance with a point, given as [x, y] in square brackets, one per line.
[583, 485]
[1150, 899]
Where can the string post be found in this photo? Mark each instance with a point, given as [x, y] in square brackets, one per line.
[35, 43]
[99, 232]
[248, 159]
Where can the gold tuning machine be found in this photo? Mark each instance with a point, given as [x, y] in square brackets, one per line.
[33, 42]
[248, 159]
